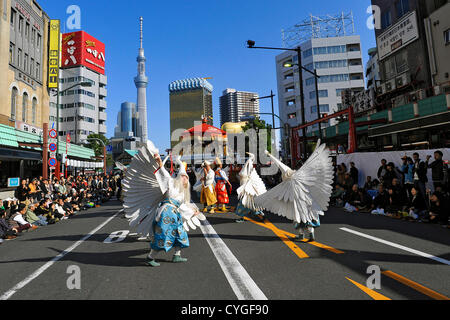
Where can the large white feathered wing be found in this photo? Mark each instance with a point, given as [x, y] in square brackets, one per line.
[305, 195]
[121, 166]
[251, 186]
[143, 190]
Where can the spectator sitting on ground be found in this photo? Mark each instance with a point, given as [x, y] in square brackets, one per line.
[337, 196]
[59, 207]
[438, 209]
[43, 210]
[370, 185]
[354, 200]
[6, 232]
[67, 206]
[348, 182]
[397, 199]
[341, 171]
[32, 218]
[17, 221]
[417, 208]
[381, 201]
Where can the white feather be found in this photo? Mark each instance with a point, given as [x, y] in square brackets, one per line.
[305, 194]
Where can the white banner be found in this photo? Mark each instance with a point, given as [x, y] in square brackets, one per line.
[398, 36]
[368, 163]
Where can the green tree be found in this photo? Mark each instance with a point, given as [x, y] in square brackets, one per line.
[98, 147]
[258, 124]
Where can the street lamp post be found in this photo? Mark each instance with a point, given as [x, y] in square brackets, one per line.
[316, 81]
[271, 98]
[298, 50]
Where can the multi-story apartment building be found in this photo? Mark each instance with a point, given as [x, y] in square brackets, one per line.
[235, 104]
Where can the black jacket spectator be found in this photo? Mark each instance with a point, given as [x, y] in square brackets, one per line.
[381, 201]
[439, 171]
[420, 168]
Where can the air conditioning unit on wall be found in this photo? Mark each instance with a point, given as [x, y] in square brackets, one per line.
[402, 81]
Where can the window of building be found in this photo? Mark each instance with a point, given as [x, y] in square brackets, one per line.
[401, 61]
[386, 19]
[21, 25]
[402, 7]
[447, 37]
[31, 66]
[13, 18]
[34, 111]
[322, 94]
[323, 108]
[38, 42]
[292, 115]
[290, 103]
[19, 58]
[38, 71]
[339, 92]
[24, 107]
[14, 98]
[289, 76]
[27, 31]
[307, 53]
[33, 36]
[25, 63]
[328, 79]
[12, 49]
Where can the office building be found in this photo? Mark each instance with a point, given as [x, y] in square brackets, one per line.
[82, 110]
[190, 102]
[235, 104]
[373, 69]
[338, 61]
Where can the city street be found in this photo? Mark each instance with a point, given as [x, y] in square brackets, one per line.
[249, 260]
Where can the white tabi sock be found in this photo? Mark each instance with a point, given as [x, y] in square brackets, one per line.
[178, 253]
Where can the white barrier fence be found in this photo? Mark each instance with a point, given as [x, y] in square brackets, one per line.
[368, 163]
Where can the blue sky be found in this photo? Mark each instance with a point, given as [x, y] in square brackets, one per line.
[197, 38]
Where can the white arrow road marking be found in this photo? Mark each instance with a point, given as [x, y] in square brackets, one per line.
[240, 281]
[42, 269]
[398, 246]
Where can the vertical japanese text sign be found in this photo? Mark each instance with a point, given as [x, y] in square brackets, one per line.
[53, 54]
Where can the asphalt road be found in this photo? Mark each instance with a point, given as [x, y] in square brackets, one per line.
[230, 261]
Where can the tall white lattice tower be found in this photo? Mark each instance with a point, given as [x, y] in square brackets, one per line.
[141, 82]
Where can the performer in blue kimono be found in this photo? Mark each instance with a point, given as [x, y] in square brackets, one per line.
[159, 205]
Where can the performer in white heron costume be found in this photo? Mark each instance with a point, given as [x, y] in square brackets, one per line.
[251, 187]
[304, 194]
[208, 196]
[159, 205]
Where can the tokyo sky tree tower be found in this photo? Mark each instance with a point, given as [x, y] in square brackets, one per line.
[141, 82]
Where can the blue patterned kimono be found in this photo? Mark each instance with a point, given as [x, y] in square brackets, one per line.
[242, 211]
[169, 231]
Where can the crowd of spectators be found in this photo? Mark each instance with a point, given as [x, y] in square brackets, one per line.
[398, 191]
[40, 202]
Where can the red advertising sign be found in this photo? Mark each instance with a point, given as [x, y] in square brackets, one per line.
[80, 48]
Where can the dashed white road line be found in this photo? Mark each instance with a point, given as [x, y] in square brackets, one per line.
[398, 246]
[240, 281]
[42, 269]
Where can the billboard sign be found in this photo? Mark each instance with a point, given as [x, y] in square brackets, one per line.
[53, 54]
[398, 36]
[80, 48]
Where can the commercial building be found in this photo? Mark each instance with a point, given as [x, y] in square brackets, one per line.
[338, 61]
[372, 69]
[190, 102]
[82, 110]
[126, 130]
[235, 104]
[437, 28]
[23, 64]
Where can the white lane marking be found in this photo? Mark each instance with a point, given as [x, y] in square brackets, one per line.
[395, 245]
[42, 269]
[240, 281]
[117, 236]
